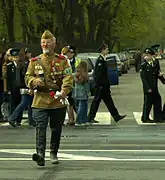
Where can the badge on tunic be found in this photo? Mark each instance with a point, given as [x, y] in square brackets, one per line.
[68, 70]
[40, 72]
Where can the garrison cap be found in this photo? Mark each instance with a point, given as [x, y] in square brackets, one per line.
[47, 35]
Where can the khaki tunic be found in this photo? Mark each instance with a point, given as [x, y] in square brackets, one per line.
[57, 76]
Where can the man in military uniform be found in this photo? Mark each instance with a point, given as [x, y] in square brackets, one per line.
[150, 73]
[47, 74]
[102, 88]
[11, 75]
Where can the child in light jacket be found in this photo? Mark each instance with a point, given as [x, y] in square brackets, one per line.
[80, 92]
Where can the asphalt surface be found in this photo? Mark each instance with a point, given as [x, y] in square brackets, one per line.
[123, 151]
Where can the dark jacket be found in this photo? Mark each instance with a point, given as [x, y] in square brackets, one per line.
[22, 68]
[101, 73]
[149, 74]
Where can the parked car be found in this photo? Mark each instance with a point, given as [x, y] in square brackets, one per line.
[120, 64]
[124, 60]
[113, 73]
[132, 54]
[91, 58]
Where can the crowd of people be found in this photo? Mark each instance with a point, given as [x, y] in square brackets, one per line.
[51, 84]
[44, 84]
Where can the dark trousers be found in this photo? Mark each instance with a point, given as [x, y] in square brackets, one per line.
[15, 99]
[1, 101]
[26, 102]
[41, 117]
[105, 95]
[152, 99]
[71, 101]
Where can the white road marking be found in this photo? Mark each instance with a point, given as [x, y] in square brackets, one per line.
[73, 157]
[24, 121]
[138, 115]
[103, 118]
[88, 159]
[29, 151]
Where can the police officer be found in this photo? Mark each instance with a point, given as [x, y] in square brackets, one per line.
[11, 76]
[150, 73]
[102, 88]
[47, 74]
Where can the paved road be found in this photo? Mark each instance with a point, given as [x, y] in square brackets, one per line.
[120, 152]
[108, 151]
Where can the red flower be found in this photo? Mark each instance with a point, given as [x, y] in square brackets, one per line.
[61, 56]
[58, 60]
[52, 94]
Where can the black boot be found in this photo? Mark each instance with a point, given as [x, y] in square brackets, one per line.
[119, 117]
[39, 159]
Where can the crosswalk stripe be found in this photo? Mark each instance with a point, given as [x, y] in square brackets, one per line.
[138, 115]
[104, 118]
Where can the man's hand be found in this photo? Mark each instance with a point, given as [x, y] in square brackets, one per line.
[38, 82]
[150, 90]
[63, 94]
[160, 74]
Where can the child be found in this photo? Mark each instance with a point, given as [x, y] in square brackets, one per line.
[80, 92]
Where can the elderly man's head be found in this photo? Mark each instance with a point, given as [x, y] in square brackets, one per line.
[48, 42]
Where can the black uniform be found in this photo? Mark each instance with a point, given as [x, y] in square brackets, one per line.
[102, 90]
[138, 61]
[12, 76]
[149, 73]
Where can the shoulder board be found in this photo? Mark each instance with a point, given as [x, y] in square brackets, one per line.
[60, 56]
[143, 63]
[36, 58]
[10, 63]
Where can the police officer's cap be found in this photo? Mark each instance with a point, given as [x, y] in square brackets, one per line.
[27, 50]
[103, 45]
[14, 52]
[149, 51]
[71, 48]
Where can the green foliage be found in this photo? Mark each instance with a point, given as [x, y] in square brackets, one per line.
[125, 23]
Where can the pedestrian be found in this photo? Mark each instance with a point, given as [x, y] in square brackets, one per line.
[26, 93]
[47, 74]
[11, 75]
[2, 59]
[70, 52]
[102, 86]
[150, 73]
[80, 93]
[138, 60]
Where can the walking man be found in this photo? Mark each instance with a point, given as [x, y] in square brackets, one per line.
[47, 74]
[102, 88]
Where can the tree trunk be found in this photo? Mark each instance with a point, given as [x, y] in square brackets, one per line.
[92, 25]
[9, 17]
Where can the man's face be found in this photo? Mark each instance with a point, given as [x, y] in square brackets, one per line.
[28, 55]
[70, 55]
[48, 45]
[147, 56]
[105, 51]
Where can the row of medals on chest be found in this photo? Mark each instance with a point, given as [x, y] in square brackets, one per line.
[54, 67]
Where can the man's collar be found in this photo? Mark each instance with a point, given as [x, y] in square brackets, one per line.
[103, 56]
